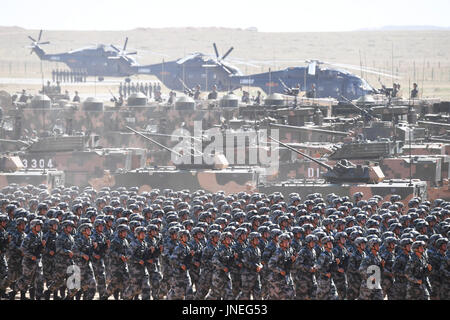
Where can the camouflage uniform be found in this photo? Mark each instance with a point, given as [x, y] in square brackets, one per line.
[120, 276]
[400, 281]
[366, 293]
[416, 269]
[354, 277]
[280, 287]
[206, 271]
[326, 289]
[267, 253]
[4, 238]
[340, 279]
[15, 256]
[48, 261]
[31, 269]
[304, 279]
[445, 275]
[194, 271]
[169, 246]
[221, 287]
[238, 248]
[435, 257]
[109, 235]
[138, 272]
[100, 249]
[251, 282]
[83, 246]
[387, 279]
[64, 244]
[181, 286]
[153, 269]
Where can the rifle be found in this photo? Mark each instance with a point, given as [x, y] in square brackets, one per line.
[114, 97]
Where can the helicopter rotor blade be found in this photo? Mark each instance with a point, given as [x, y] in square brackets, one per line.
[115, 48]
[32, 39]
[227, 53]
[131, 53]
[215, 49]
[40, 35]
[125, 45]
[45, 42]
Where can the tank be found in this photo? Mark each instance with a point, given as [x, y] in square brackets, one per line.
[229, 101]
[185, 103]
[41, 101]
[137, 99]
[93, 104]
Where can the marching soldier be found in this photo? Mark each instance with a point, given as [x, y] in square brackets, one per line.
[280, 287]
[100, 248]
[48, 258]
[207, 268]
[138, 272]
[251, 261]
[417, 270]
[181, 259]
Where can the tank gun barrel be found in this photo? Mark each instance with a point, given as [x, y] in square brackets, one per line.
[430, 123]
[359, 108]
[331, 132]
[153, 141]
[324, 165]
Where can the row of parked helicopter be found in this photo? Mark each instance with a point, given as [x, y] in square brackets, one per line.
[110, 61]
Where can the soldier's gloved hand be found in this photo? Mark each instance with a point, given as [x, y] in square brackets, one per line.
[141, 262]
[183, 267]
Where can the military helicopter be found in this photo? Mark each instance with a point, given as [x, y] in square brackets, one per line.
[315, 80]
[196, 69]
[100, 60]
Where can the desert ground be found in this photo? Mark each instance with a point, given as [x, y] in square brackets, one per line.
[416, 56]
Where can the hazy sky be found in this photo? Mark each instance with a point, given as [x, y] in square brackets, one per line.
[274, 15]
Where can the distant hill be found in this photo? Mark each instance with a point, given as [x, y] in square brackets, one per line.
[405, 28]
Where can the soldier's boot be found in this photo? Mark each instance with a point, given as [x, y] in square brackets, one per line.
[47, 294]
[22, 295]
[62, 292]
[2, 294]
[116, 294]
[78, 295]
[55, 295]
[32, 293]
[12, 295]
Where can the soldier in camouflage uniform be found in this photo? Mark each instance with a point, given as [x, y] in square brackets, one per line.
[109, 234]
[207, 267]
[304, 276]
[119, 252]
[267, 253]
[48, 258]
[196, 245]
[238, 248]
[435, 257]
[416, 272]
[372, 258]
[326, 263]
[388, 255]
[251, 261]
[100, 249]
[138, 272]
[4, 240]
[63, 257]
[339, 273]
[398, 269]
[280, 266]
[32, 248]
[152, 262]
[354, 262]
[15, 254]
[169, 245]
[222, 260]
[445, 275]
[181, 259]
